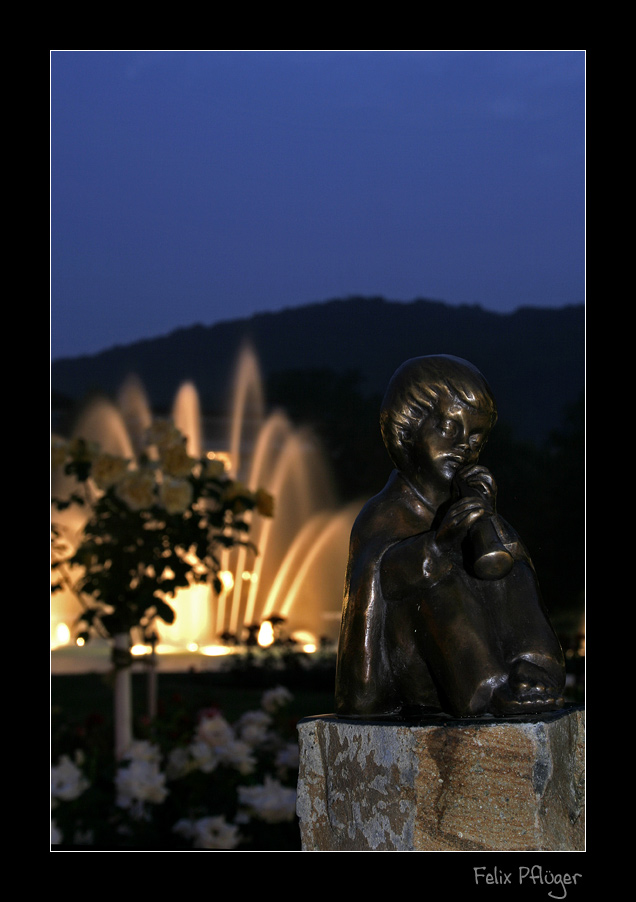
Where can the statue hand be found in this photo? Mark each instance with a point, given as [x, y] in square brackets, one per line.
[458, 518]
[477, 480]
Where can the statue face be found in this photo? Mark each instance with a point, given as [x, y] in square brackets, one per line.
[449, 439]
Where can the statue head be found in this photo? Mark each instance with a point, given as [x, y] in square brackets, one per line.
[419, 389]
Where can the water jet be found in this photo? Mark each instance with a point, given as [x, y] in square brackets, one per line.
[296, 578]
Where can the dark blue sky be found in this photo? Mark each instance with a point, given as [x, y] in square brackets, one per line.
[198, 186]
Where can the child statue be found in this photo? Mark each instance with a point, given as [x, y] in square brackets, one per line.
[442, 608]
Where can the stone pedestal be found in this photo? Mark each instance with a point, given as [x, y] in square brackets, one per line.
[443, 785]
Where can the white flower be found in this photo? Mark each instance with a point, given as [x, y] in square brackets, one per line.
[253, 727]
[214, 469]
[275, 698]
[163, 433]
[140, 781]
[108, 470]
[287, 758]
[238, 755]
[215, 743]
[142, 750]
[137, 490]
[214, 731]
[271, 802]
[175, 460]
[212, 833]
[175, 494]
[179, 763]
[67, 780]
[204, 756]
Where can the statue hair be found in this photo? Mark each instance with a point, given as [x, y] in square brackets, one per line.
[415, 391]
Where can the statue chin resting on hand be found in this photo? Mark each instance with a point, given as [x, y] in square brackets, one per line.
[442, 608]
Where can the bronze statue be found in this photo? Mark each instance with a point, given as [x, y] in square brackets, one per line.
[442, 609]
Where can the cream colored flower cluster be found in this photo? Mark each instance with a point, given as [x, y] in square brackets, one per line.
[142, 782]
[164, 481]
[254, 728]
[67, 779]
[211, 833]
[270, 801]
[215, 742]
[275, 698]
[108, 469]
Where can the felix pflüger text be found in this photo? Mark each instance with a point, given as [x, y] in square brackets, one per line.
[536, 874]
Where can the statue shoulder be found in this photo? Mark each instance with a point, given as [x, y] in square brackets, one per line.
[394, 513]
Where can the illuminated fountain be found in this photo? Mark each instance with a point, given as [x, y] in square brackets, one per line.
[296, 579]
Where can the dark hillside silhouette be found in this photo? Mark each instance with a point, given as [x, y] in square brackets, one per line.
[533, 358]
[328, 364]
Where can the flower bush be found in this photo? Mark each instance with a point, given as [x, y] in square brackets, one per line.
[154, 525]
[219, 786]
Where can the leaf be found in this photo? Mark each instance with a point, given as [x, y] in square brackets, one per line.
[164, 611]
[227, 541]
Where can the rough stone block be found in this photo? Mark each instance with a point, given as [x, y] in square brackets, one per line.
[443, 785]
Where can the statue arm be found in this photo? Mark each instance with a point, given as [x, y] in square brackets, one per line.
[413, 563]
[425, 559]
